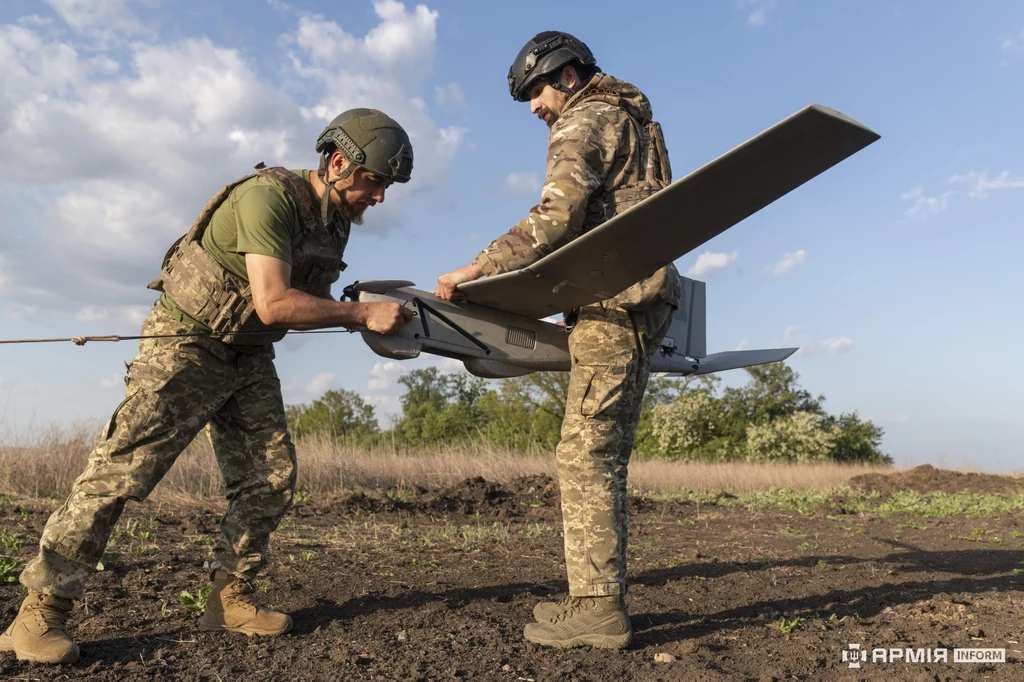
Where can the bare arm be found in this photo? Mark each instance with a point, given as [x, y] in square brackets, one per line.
[279, 305]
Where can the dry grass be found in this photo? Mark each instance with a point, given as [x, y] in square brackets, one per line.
[46, 466]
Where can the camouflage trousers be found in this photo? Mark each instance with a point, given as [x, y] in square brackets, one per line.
[175, 386]
[611, 351]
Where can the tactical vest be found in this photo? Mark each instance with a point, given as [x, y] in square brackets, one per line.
[650, 173]
[206, 291]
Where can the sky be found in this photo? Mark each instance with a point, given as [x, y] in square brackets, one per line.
[896, 272]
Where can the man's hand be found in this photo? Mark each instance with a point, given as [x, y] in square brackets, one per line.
[447, 283]
[386, 318]
[279, 305]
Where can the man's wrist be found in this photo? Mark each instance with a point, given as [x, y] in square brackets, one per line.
[357, 314]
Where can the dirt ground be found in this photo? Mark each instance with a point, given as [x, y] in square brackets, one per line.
[437, 585]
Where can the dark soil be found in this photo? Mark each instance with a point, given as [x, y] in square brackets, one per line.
[927, 478]
[439, 584]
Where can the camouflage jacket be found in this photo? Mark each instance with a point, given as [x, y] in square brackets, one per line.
[604, 155]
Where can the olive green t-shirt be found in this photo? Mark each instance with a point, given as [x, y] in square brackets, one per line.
[257, 217]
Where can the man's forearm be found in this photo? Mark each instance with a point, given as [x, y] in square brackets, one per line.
[294, 309]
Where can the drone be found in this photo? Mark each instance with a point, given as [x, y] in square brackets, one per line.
[503, 327]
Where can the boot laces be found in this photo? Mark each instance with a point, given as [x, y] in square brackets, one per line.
[241, 593]
[574, 605]
[53, 619]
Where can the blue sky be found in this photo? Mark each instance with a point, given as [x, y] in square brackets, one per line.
[896, 271]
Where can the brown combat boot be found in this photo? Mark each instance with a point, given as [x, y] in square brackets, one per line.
[232, 607]
[546, 610]
[600, 622]
[40, 631]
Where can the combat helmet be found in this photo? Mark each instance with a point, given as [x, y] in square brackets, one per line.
[545, 54]
[368, 138]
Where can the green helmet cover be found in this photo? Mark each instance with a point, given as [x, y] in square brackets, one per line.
[371, 139]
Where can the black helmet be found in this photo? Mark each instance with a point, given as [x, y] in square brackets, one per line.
[371, 139]
[545, 53]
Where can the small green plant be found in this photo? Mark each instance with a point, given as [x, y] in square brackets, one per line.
[1018, 571]
[535, 530]
[195, 603]
[833, 619]
[11, 542]
[10, 569]
[785, 626]
[306, 556]
[428, 563]
[908, 524]
[821, 563]
[108, 558]
[978, 535]
[793, 532]
[302, 497]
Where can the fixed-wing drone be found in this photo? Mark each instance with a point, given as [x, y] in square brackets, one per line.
[499, 330]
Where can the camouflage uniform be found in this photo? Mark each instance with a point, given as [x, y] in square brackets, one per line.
[178, 383]
[604, 155]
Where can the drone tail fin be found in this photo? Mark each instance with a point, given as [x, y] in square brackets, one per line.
[684, 349]
[688, 333]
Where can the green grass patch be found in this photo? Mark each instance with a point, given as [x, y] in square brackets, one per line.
[852, 501]
[10, 569]
[784, 625]
[11, 542]
[197, 602]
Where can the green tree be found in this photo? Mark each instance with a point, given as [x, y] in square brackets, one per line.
[687, 424]
[338, 415]
[858, 440]
[801, 436]
[439, 407]
[771, 393]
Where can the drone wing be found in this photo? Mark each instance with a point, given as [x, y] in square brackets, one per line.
[678, 219]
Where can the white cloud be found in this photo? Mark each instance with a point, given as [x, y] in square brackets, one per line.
[384, 375]
[160, 126]
[523, 184]
[386, 407]
[1015, 44]
[98, 18]
[320, 383]
[133, 314]
[788, 262]
[112, 381]
[449, 365]
[449, 95]
[810, 348]
[709, 262]
[742, 345]
[758, 10]
[980, 185]
[19, 312]
[921, 205]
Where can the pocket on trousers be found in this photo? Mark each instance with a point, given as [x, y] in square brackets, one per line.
[605, 385]
[119, 412]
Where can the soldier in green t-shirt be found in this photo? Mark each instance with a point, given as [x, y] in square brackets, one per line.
[259, 260]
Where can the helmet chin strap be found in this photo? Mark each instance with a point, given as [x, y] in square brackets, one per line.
[325, 200]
